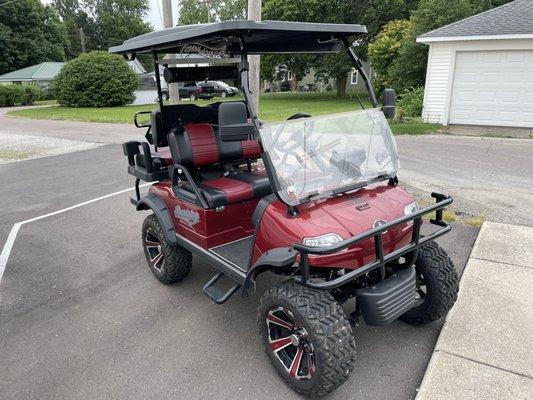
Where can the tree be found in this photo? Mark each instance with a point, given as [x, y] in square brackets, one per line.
[30, 33]
[105, 23]
[195, 11]
[384, 50]
[408, 69]
[96, 79]
[372, 13]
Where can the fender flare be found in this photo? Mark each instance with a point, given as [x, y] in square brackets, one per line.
[281, 257]
[160, 210]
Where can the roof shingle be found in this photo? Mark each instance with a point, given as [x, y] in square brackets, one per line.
[514, 18]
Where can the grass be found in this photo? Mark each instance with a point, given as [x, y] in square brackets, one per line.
[14, 155]
[273, 107]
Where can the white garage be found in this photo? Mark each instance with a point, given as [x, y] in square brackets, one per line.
[480, 69]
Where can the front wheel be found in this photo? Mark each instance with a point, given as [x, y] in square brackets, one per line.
[437, 284]
[167, 262]
[223, 95]
[193, 97]
[307, 338]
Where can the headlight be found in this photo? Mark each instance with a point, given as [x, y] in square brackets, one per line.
[409, 209]
[322, 241]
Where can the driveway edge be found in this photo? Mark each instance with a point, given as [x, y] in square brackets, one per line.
[484, 349]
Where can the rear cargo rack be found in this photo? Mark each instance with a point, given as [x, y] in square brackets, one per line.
[410, 250]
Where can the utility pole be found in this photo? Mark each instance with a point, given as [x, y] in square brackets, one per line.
[82, 40]
[254, 13]
[173, 90]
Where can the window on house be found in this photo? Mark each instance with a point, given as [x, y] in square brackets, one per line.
[354, 77]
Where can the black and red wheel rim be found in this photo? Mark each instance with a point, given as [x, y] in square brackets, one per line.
[153, 247]
[290, 343]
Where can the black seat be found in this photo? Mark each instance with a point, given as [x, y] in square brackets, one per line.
[198, 147]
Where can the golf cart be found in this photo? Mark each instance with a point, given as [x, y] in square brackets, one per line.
[315, 200]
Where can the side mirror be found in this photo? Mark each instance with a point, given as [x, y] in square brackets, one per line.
[233, 125]
[389, 103]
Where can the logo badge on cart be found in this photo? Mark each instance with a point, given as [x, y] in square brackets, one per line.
[378, 223]
[190, 217]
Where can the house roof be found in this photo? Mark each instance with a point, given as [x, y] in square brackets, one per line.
[511, 20]
[44, 71]
[259, 37]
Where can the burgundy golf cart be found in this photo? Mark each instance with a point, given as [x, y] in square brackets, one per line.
[314, 199]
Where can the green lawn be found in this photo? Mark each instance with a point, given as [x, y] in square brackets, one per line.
[273, 107]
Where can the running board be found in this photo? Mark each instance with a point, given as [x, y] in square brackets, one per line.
[215, 293]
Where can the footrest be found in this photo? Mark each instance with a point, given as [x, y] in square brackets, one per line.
[216, 294]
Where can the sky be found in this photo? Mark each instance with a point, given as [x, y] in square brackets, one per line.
[154, 16]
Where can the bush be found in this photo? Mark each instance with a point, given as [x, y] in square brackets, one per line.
[410, 104]
[95, 79]
[11, 95]
[32, 93]
[49, 93]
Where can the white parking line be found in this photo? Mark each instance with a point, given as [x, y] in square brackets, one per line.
[6, 251]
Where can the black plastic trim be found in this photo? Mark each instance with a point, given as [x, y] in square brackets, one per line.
[159, 208]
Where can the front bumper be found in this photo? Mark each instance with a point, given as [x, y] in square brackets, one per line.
[385, 301]
[409, 251]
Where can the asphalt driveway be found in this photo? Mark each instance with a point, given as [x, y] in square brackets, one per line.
[82, 317]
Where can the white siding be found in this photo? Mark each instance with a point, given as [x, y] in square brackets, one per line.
[441, 69]
[438, 77]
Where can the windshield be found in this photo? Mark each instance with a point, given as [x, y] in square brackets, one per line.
[323, 156]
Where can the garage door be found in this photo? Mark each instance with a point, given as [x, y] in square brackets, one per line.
[493, 88]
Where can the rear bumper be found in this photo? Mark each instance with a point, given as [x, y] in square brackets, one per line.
[382, 303]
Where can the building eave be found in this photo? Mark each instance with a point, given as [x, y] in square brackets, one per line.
[429, 40]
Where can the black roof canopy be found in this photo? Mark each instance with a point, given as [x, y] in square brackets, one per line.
[274, 37]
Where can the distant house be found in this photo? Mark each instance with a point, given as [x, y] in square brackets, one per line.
[40, 74]
[480, 69]
[310, 83]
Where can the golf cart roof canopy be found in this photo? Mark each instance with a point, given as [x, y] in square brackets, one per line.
[225, 38]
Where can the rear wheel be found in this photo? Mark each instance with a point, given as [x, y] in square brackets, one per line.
[307, 338]
[193, 97]
[437, 284]
[167, 262]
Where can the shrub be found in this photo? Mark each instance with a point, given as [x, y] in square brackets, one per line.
[411, 103]
[49, 92]
[95, 79]
[11, 95]
[32, 93]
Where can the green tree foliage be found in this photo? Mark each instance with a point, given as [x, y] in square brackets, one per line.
[372, 13]
[95, 79]
[105, 23]
[30, 33]
[384, 50]
[405, 68]
[32, 93]
[195, 12]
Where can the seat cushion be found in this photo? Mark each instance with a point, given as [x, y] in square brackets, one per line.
[234, 188]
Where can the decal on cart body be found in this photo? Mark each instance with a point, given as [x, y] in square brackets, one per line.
[190, 217]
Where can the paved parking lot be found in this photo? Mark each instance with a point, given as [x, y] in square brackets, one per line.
[82, 317]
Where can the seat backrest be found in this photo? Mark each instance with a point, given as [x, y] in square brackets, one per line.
[199, 145]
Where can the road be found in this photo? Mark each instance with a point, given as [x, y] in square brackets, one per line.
[492, 177]
[82, 317]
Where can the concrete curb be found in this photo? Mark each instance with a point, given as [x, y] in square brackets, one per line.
[484, 349]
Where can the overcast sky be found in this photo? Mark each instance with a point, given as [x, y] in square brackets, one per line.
[154, 16]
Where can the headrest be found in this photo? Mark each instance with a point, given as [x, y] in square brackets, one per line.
[231, 113]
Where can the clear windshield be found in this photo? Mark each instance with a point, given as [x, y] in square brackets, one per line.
[321, 156]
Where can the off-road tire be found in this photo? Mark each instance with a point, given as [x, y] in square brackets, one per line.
[177, 261]
[442, 285]
[329, 331]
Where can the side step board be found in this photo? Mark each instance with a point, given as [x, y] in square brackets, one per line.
[216, 294]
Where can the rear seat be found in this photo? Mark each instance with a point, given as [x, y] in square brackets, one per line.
[199, 146]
